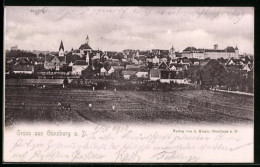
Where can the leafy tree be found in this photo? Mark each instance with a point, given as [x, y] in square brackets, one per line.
[107, 65]
[39, 68]
[250, 81]
[150, 65]
[65, 82]
[87, 73]
[233, 78]
[19, 53]
[97, 66]
[65, 68]
[133, 78]
[41, 55]
[73, 58]
[212, 74]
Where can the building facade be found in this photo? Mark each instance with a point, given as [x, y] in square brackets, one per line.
[215, 53]
[85, 48]
[55, 61]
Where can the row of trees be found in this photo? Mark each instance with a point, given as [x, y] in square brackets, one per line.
[20, 53]
[215, 74]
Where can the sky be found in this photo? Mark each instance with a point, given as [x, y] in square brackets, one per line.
[119, 28]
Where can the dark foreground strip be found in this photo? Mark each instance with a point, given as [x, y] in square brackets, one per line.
[248, 119]
[83, 116]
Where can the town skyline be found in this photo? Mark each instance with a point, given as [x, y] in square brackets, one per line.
[116, 29]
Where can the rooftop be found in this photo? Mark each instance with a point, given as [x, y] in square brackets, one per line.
[23, 68]
[85, 46]
[80, 62]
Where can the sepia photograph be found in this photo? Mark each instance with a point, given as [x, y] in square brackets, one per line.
[128, 84]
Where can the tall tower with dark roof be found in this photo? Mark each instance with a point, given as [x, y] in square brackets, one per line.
[61, 49]
[84, 48]
[236, 52]
[87, 40]
[172, 53]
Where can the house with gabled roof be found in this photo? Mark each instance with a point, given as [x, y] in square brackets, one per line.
[78, 67]
[247, 67]
[164, 73]
[173, 67]
[127, 74]
[54, 62]
[135, 61]
[230, 62]
[234, 62]
[163, 66]
[142, 72]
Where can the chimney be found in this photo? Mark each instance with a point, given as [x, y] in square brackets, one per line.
[215, 46]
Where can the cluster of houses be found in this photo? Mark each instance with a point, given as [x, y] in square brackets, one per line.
[156, 64]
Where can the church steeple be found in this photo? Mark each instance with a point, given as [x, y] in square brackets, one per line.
[172, 52]
[61, 49]
[172, 49]
[61, 46]
[236, 52]
[87, 40]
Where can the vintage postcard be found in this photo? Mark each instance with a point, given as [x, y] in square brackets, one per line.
[129, 84]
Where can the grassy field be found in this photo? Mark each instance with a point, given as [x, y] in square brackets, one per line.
[194, 106]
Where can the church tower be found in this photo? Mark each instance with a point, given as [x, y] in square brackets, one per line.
[172, 53]
[84, 48]
[87, 40]
[236, 52]
[87, 58]
[61, 49]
